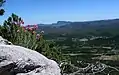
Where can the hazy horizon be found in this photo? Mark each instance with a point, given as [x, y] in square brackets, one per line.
[82, 20]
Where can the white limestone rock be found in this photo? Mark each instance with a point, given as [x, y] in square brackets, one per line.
[4, 41]
[23, 61]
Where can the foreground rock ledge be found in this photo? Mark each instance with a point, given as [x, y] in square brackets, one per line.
[17, 60]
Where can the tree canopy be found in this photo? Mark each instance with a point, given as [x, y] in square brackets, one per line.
[1, 9]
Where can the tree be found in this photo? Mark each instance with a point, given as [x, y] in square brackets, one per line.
[1, 9]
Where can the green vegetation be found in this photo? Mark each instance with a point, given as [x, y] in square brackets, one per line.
[1, 4]
[103, 48]
[14, 30]
[63, 48]
[65, 45]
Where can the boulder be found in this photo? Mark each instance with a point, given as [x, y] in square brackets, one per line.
[17, 60]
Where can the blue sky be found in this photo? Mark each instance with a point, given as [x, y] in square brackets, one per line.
[49, 11]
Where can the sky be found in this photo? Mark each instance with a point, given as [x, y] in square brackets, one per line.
[51, 11]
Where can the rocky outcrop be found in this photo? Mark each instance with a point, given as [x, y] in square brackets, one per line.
[4, 41]
[17, 60]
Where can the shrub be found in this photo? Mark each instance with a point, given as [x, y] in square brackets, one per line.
[14, 30]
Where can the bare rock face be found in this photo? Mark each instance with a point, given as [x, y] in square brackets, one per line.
[17, 60]
[4, 41]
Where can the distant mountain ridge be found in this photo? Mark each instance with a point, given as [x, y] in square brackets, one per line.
[59, 23]
[69, 27]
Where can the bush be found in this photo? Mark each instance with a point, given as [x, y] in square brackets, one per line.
[26, 36]
[14, 31]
